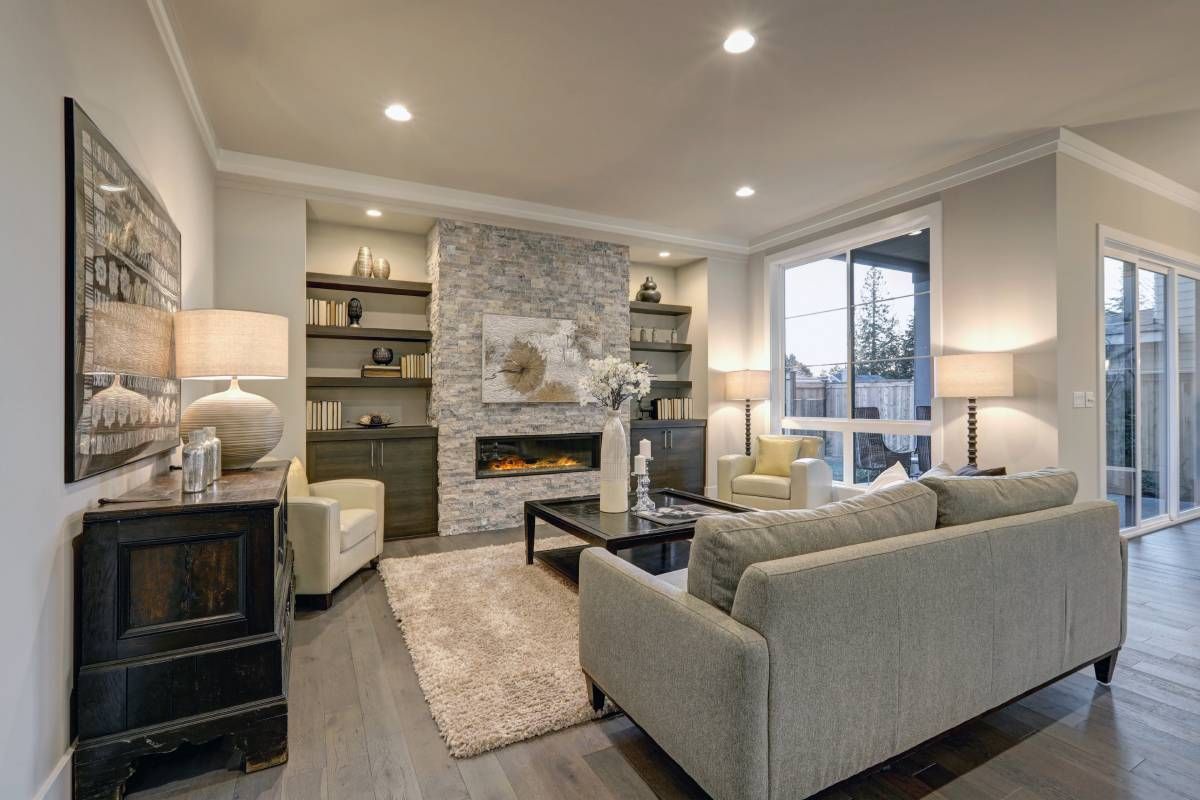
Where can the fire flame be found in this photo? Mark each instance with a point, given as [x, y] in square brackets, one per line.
[506, 463]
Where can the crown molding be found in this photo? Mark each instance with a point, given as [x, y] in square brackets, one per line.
[166, 32]
[1100, 157]
[247, 170]
[991, 162]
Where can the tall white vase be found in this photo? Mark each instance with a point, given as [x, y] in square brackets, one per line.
[614, 465]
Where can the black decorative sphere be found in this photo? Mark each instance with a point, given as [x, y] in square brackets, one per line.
[354, 311]
[382, 355]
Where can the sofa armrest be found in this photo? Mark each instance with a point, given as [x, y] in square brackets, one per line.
[313, 529]
[693, 677]
[812, 483]
[356, 493]
[728, 468]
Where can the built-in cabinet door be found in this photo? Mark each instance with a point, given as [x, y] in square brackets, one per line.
[678, 456]
[408, 469]
[329, 461]
[683, 464]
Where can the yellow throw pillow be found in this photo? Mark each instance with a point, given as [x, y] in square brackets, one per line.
[775, 455]
[810, 447]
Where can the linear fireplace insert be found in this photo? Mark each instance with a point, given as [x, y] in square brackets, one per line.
[538, 454]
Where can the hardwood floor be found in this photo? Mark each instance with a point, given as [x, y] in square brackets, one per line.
[360, 728]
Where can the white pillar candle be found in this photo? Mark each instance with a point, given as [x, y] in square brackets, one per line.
[644, 448]
[639, 464]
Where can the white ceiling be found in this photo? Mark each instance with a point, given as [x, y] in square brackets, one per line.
[631, 108]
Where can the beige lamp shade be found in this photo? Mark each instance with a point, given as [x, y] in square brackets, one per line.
[220, 343]
[748, 384]
[974, 375]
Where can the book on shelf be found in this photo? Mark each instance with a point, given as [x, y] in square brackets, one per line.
[671, 408]
[323, 415]
[409, 365]
[328, 313]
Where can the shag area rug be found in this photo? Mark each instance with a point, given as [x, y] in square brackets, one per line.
[495, 643]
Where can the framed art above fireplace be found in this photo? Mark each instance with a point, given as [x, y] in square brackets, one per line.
[123, 287]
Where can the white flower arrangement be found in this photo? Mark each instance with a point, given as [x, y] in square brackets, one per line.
[610, 382]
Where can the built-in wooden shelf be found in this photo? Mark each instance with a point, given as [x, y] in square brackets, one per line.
[661, 347]
[366, 334]
[667, 423]
[362, 383]
[352, 283]
[655, 383]
[658, 309]
[394, 432]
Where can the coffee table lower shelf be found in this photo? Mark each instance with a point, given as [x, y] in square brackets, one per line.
[652, 558]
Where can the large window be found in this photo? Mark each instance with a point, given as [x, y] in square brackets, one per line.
[1151, 444]
[853, 365]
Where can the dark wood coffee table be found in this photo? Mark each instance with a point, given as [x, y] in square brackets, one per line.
[653, 546]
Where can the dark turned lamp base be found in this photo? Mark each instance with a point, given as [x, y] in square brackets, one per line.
[747, 426]
[972, 440]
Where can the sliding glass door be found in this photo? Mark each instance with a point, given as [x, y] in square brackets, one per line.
[1151, 440]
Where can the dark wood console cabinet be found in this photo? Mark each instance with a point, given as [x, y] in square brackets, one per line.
[678, 446]
[404, 459]
[183, 608]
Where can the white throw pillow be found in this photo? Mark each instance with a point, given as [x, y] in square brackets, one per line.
[893, 474]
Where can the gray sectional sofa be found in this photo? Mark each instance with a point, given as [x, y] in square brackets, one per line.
[802, 647]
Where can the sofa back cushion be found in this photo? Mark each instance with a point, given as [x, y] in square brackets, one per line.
[965, 499]
[725, 546]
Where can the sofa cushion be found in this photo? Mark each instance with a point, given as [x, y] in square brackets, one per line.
[297, 481]
[762, 486]
[724, 546]
[357, 524]
[776, 454]
[678, 578]
[962, 499]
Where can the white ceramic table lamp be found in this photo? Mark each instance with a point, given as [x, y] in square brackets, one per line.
[748, 385]
[973, 375]
[214, 344]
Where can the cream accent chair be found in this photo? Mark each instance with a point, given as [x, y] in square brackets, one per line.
[808, 485]
[336, 529]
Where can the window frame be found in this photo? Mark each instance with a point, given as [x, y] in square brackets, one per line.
[1172, 263]
[777, 264]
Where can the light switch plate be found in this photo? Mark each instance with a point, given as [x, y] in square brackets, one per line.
[1089, 399]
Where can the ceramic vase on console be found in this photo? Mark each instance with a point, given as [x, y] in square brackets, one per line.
[614, 464]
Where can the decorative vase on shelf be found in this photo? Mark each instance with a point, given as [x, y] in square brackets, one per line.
[382, 355]
[614, 464]
[381, 268]
[354, 311]
[648, 292]
[362, 264]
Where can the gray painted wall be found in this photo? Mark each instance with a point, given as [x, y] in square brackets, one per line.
[54, 48]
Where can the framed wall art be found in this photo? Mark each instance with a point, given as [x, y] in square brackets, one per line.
[123, 286]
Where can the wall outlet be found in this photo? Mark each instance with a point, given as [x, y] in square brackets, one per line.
[1078, 399]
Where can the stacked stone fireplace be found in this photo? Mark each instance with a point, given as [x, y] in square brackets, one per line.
[482, 269]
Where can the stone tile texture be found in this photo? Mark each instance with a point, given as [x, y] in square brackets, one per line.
[481, 269]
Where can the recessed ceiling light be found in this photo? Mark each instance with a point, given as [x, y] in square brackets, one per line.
[739, 41]
[397, 112]
[664, 254]
[111, 188]
[374, 212]
[744, 191]
[915, 233]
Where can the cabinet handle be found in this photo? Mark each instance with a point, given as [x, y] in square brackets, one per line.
[670, 439]
[372, 454]
[664, 440]
[380, 454]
